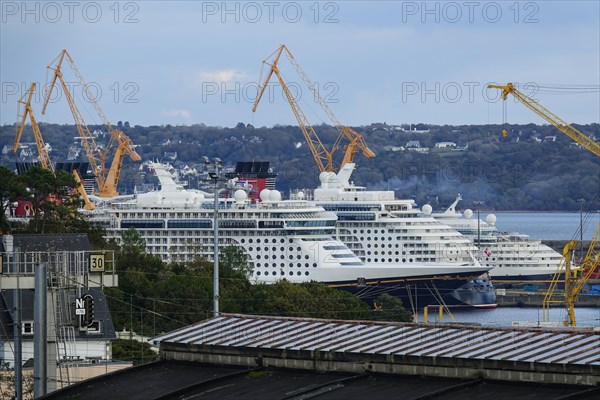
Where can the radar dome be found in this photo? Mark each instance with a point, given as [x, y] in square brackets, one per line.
[240, 196]
[264, 194]
[274, 195]
[468, 213]
[427, 209]
[323, 176]
[300, 195]
[491, 219]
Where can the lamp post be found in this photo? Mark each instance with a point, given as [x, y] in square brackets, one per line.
[214, 177]
[581, 201]
[478, 204]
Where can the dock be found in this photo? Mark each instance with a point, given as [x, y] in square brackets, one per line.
[520, 298]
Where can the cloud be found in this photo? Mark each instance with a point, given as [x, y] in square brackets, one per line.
[225, 75]
[177, 113]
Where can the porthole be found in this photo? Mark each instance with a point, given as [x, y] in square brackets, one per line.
[306, 273]
[257, 240]
[258, 273]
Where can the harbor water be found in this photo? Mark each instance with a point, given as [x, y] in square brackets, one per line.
[538, 225]
[547, 225]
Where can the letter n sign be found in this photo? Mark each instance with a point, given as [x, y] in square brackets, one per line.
[96, 262]
[79, 307]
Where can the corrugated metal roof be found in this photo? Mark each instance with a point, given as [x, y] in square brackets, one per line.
[556, 346]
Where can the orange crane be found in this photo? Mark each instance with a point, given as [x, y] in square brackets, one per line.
[322, 156]
[549, 116]
[106, 180]
[574, 279]
[41, 145]
[39, 141]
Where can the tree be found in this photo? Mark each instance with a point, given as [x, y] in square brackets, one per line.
[134, 351]
[52, 198]
[389, 308]
[132, 241]
[11, 189]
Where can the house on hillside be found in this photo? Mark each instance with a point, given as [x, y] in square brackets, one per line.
[415, 145]
[445, 145]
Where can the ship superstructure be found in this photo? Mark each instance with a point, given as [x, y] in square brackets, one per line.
[515, 257]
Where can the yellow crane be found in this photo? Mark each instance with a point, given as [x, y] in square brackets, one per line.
[549, 116]
[41, 145]
[574, 278]
[322, 156]
[39, 141]
[106, 180]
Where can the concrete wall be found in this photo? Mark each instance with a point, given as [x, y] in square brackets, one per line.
[390, 364]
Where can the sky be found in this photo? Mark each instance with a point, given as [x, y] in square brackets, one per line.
[399, 62]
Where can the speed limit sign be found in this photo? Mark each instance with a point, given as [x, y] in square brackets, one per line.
[96, 262]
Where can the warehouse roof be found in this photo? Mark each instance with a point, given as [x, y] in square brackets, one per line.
[546, 346]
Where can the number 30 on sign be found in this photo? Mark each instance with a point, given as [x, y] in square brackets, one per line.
[96, 262]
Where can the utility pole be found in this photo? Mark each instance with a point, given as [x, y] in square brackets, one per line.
[216, 165]
[40, 338]
[18, 343]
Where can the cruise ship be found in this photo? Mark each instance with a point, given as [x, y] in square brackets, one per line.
[515, 258]
[283, 239]
[382, 230]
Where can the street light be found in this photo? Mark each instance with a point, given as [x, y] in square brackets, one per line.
[581, 201]
[478, 204]
[216, 166]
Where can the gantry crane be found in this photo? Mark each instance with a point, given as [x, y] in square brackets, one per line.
[323, 157]
[41, 145]
[106, 180]
[573, 279]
